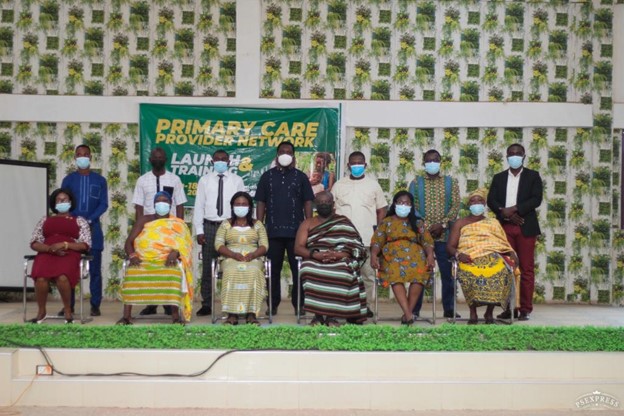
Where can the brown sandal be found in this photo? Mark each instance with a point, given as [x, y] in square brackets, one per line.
[231, 320]
[123, 321]
[332, 322]
[251, 319]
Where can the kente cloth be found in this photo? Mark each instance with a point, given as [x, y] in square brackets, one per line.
[488, 279]
[153, 283]
[483, 237]
[335, 289]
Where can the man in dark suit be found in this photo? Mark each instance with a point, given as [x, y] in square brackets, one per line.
[514, 195]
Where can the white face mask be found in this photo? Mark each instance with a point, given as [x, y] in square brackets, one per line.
[162, 208]
[240, 211]
[82, 162]
[284, 160]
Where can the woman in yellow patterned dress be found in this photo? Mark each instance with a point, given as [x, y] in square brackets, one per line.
[242, 241]
[154, 246]
[406, 250]
[486, 260]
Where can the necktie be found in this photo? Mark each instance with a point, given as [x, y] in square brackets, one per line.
[220, 197]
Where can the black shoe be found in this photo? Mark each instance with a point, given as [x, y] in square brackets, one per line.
[204, 311]
[449, 314]
[148, 310]
[167, 309]
[369, 313]
[273, 311]
[62, 312]
[95, 311]
[507, 314]
[524, 316]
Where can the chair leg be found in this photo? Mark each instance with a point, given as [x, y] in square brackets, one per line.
[84, 275]
[454, 318]
[375, 294]
[213, 283]
[433, 298]
[25, 291]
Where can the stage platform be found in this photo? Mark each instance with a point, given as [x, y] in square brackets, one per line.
[563, 314]
[300, 381]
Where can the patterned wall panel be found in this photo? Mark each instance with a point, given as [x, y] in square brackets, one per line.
[336, 49]
[113, 47]
[533, 51]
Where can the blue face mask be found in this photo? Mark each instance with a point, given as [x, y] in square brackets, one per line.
[63, 207]
[432, 168]
[357, 170]
[162, 208]
[402, 211]
[82, 162]
[515, 161]
[220, 166]
[477, 209]
[241, 212]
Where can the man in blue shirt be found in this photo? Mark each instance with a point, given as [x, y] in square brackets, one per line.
[91, 201]
[284, 196]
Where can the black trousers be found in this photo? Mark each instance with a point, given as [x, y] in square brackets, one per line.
[208, 253]
[277, 246]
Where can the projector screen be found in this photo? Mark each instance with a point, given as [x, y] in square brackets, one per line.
[22, 207]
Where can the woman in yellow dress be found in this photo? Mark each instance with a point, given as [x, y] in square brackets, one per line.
[242, 241]
[406, 251]
[486, 260]
[154, 246]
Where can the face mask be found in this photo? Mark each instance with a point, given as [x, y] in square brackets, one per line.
[357, 170]
[241, 212]
[162, 208]
[157, 164]
[402, 210]
[284, 160]
[515, 161]
[63, 207]
[220, 166]
[82, 162]
[477, 209]
[432, 168]
[324, 210]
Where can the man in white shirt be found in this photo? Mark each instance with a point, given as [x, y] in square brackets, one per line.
[212, 206]
[361, 199]
[156, 180]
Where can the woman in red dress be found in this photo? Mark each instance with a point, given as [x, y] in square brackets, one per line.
[59, 240]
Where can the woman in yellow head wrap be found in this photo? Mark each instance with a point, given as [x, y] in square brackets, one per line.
[486, 259]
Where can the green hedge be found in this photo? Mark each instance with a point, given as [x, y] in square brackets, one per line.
[347, 338]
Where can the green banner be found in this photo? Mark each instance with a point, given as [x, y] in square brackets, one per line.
[191, 134]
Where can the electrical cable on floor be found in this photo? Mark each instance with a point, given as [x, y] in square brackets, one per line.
[124, 373]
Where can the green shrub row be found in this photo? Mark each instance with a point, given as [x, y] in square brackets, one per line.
[347, 338]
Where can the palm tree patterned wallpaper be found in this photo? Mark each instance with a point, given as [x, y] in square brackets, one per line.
[416, 50]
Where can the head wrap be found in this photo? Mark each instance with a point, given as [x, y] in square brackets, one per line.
[481, 192]
[162, 193]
